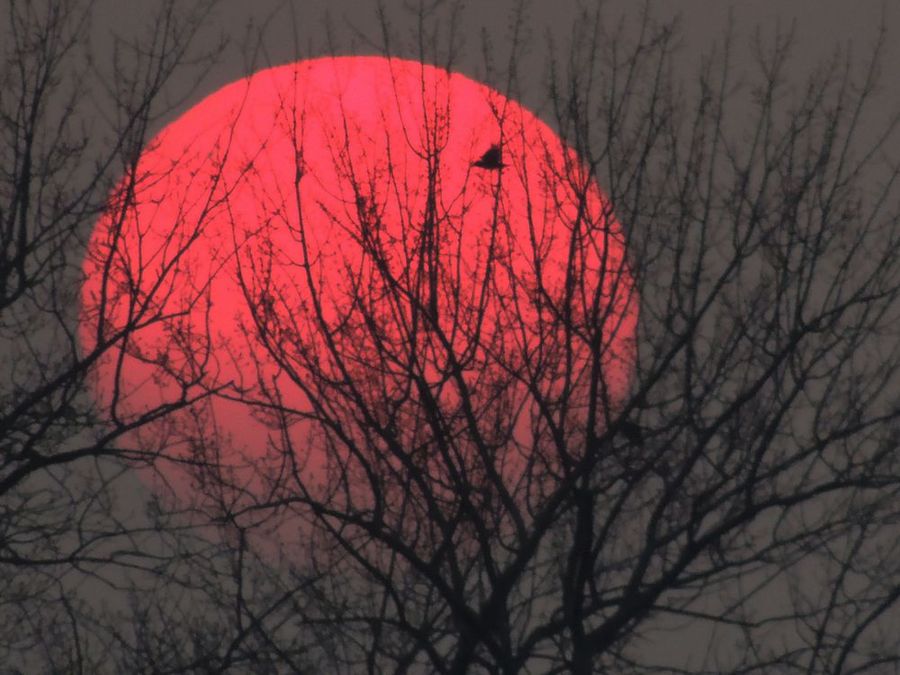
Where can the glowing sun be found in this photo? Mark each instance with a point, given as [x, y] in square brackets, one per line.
[312, 258]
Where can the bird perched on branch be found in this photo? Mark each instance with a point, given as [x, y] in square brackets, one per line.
[492, 159]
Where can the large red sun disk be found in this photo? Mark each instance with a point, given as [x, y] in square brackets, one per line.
[311, 180]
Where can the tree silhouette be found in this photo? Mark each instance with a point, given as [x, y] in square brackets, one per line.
[457, 481]
[65, 533]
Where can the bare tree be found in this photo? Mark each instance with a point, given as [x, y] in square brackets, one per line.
[684, 424]
[71, 120]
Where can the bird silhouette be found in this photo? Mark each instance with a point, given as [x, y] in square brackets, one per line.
[492, 159]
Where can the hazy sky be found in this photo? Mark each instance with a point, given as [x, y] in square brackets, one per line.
[821, 25]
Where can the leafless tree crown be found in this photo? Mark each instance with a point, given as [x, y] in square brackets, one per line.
[679, 458]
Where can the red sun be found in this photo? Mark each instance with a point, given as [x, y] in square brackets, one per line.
[310, 261]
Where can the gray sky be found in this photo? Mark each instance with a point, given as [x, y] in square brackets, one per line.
[821, 25]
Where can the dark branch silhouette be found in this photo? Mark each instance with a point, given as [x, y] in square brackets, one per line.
[490, 497]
